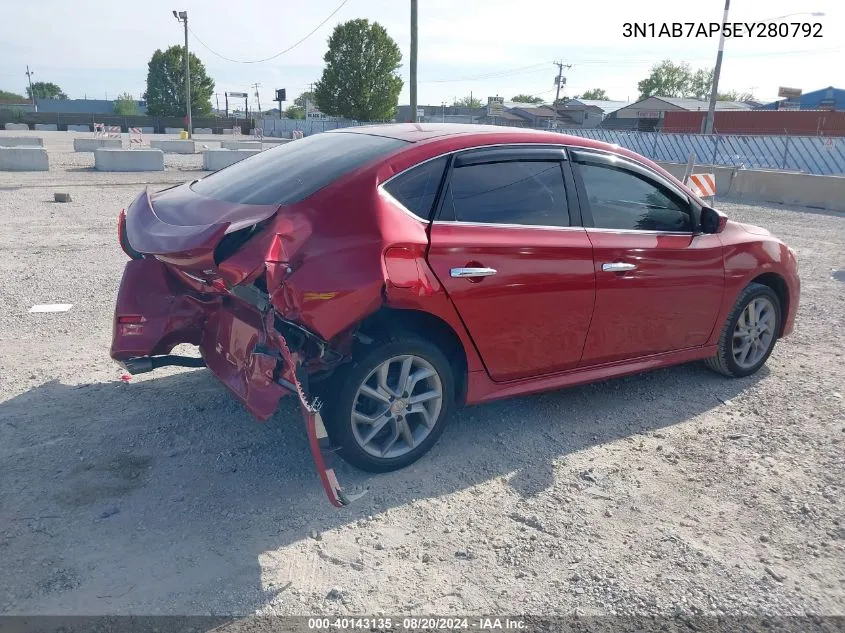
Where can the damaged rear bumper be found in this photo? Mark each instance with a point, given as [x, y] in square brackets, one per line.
[237, 342]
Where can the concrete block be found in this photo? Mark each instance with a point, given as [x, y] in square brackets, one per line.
[276, 141]
[232, 131]
[175, 147]
[202, 130]
[21, 141]
[90, 144]
[215, 159]
[23, 159]
[46, 127]
[240, 144]
[16, 126]
[173, 130]
[78, 128]
[148, 130]
[108, 159]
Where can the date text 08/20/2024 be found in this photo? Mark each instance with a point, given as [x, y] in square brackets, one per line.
[715, 29]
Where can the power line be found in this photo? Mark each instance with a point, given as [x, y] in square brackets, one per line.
[280, 53]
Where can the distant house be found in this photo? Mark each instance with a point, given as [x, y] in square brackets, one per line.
[587, 113]
[829, 98]
[648, 113]
[543, 117]
[83, 106]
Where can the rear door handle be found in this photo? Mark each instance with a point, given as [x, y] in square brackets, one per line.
[472, 272]
[618, 267]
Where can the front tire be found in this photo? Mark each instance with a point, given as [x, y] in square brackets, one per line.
[388, 407]
[749, 334]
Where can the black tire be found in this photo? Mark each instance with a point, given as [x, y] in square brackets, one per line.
[723, 362]
[339, 394]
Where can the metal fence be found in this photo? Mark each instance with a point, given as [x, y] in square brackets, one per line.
[807, 154]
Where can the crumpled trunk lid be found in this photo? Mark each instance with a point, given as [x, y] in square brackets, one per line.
[183, 228]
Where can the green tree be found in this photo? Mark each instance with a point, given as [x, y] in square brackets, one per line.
[701, 83]
[165, 93]
[295, 112]
[45, 90]
[303, 98]
[360, 80]
[596, 94]
[11, 96]
[523, 98]
[467, 102]
[125, 105]
[667, 79]
[734, 95]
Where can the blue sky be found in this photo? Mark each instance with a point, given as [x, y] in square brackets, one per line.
[100, 48]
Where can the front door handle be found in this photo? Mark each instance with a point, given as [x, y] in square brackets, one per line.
[618, 267]
[472, 272]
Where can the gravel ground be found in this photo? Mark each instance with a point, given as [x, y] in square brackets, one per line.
[676, 491]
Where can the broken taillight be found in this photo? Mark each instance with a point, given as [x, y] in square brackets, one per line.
[124, 241]
[130, 324]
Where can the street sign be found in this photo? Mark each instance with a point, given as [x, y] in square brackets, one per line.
[313, 113]
[420, 113]
[829, 144]
[495, 106]
[648, 114]
[241, 95]
[789, 93]
[281, 94]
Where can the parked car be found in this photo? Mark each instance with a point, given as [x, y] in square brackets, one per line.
[397, 271]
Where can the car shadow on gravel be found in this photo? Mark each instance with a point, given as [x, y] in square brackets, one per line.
[161, 491]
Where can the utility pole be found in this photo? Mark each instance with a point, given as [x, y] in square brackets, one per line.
[714, 90]
[258, 98]
[29, 74]
[414, 60]
[560, 66]
[182, 16]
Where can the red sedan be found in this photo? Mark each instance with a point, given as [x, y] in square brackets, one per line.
[386, 274]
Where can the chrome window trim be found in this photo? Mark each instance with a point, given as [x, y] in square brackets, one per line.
[591, 229]
[510, 226]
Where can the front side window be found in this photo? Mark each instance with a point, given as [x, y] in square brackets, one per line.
[516, 192]
[417, 187]
[620, 199]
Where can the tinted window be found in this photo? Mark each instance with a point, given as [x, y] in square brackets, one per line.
[519, 192]
[417, 187]
[291, 172]
[624, 200]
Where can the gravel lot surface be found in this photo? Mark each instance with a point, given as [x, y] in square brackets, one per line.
[676, 491]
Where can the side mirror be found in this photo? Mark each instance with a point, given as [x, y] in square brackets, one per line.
[712, 221]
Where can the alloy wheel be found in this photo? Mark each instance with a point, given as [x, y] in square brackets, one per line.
[754, 332]
[397, 406]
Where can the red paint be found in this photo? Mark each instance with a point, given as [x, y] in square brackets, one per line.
[550, 318]
[768, 122]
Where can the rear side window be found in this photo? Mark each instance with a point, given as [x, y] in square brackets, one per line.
[417, 188]
[516, 192]
[293, 171]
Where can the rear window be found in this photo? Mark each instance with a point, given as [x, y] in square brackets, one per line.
[293, 171]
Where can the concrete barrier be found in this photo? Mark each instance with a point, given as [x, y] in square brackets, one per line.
[16, 126]
[783, 187]
[148, 130]
[240, 144]
[90, 144]
[232, 131]
[173, 130]
[202, 130]
[23, 159]
[46, 127]
[175, 147]
[21, 141]
[108, 159]
[215, 159]
[78, 128]
[276, 141]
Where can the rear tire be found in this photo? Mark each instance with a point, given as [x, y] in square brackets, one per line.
[379, 423]
[749, 334]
